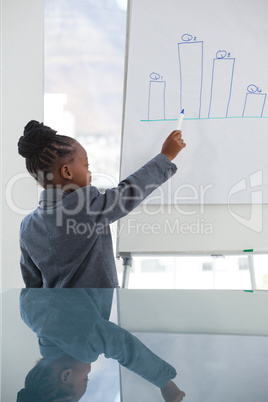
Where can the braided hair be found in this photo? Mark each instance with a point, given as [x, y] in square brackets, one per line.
[40, 386]
[43, 150]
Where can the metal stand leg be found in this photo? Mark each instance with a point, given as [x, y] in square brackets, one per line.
[252, 271]
[127, 264]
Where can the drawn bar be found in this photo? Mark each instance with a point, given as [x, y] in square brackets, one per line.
[191, 76]
[221, 86]
[157, 101]
[254, 104]
[211, 118]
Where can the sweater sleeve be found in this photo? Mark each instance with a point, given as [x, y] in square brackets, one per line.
[119, 344]
[117, 202]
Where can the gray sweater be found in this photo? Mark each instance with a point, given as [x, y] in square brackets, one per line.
[66, 241]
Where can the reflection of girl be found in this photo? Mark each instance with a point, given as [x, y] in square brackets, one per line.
[73, 330]
[60, 380]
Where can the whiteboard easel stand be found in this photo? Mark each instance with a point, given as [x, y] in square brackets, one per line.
[128, 260]
[127, 264]
[214, 257]
[252, 272]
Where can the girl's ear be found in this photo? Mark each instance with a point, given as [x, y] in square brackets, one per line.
[66, 376]
[66, 172]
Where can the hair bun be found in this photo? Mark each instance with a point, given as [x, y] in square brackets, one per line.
[35, 137]
[24, 395]
[32, 125]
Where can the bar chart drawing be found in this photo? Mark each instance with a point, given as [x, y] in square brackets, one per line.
[157, 98]
[190, 52]
[221, 84]
[254, 102]
[211, 100]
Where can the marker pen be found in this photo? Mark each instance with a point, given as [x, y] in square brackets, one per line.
[181, 116]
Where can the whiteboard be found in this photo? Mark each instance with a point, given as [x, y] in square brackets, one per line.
[208, 59]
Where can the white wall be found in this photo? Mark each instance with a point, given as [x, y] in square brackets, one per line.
[22, 100]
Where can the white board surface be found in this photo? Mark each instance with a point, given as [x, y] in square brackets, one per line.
[182, 55]
[210, 59]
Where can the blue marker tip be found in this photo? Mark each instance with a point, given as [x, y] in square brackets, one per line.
[182, 111]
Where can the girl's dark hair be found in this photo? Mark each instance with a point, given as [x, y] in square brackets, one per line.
[43, 147]
[40, 386]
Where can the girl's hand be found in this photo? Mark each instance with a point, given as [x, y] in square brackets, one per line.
[173, 145]
[171, 393]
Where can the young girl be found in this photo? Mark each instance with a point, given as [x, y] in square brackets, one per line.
[73, 329]
[66, 241]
